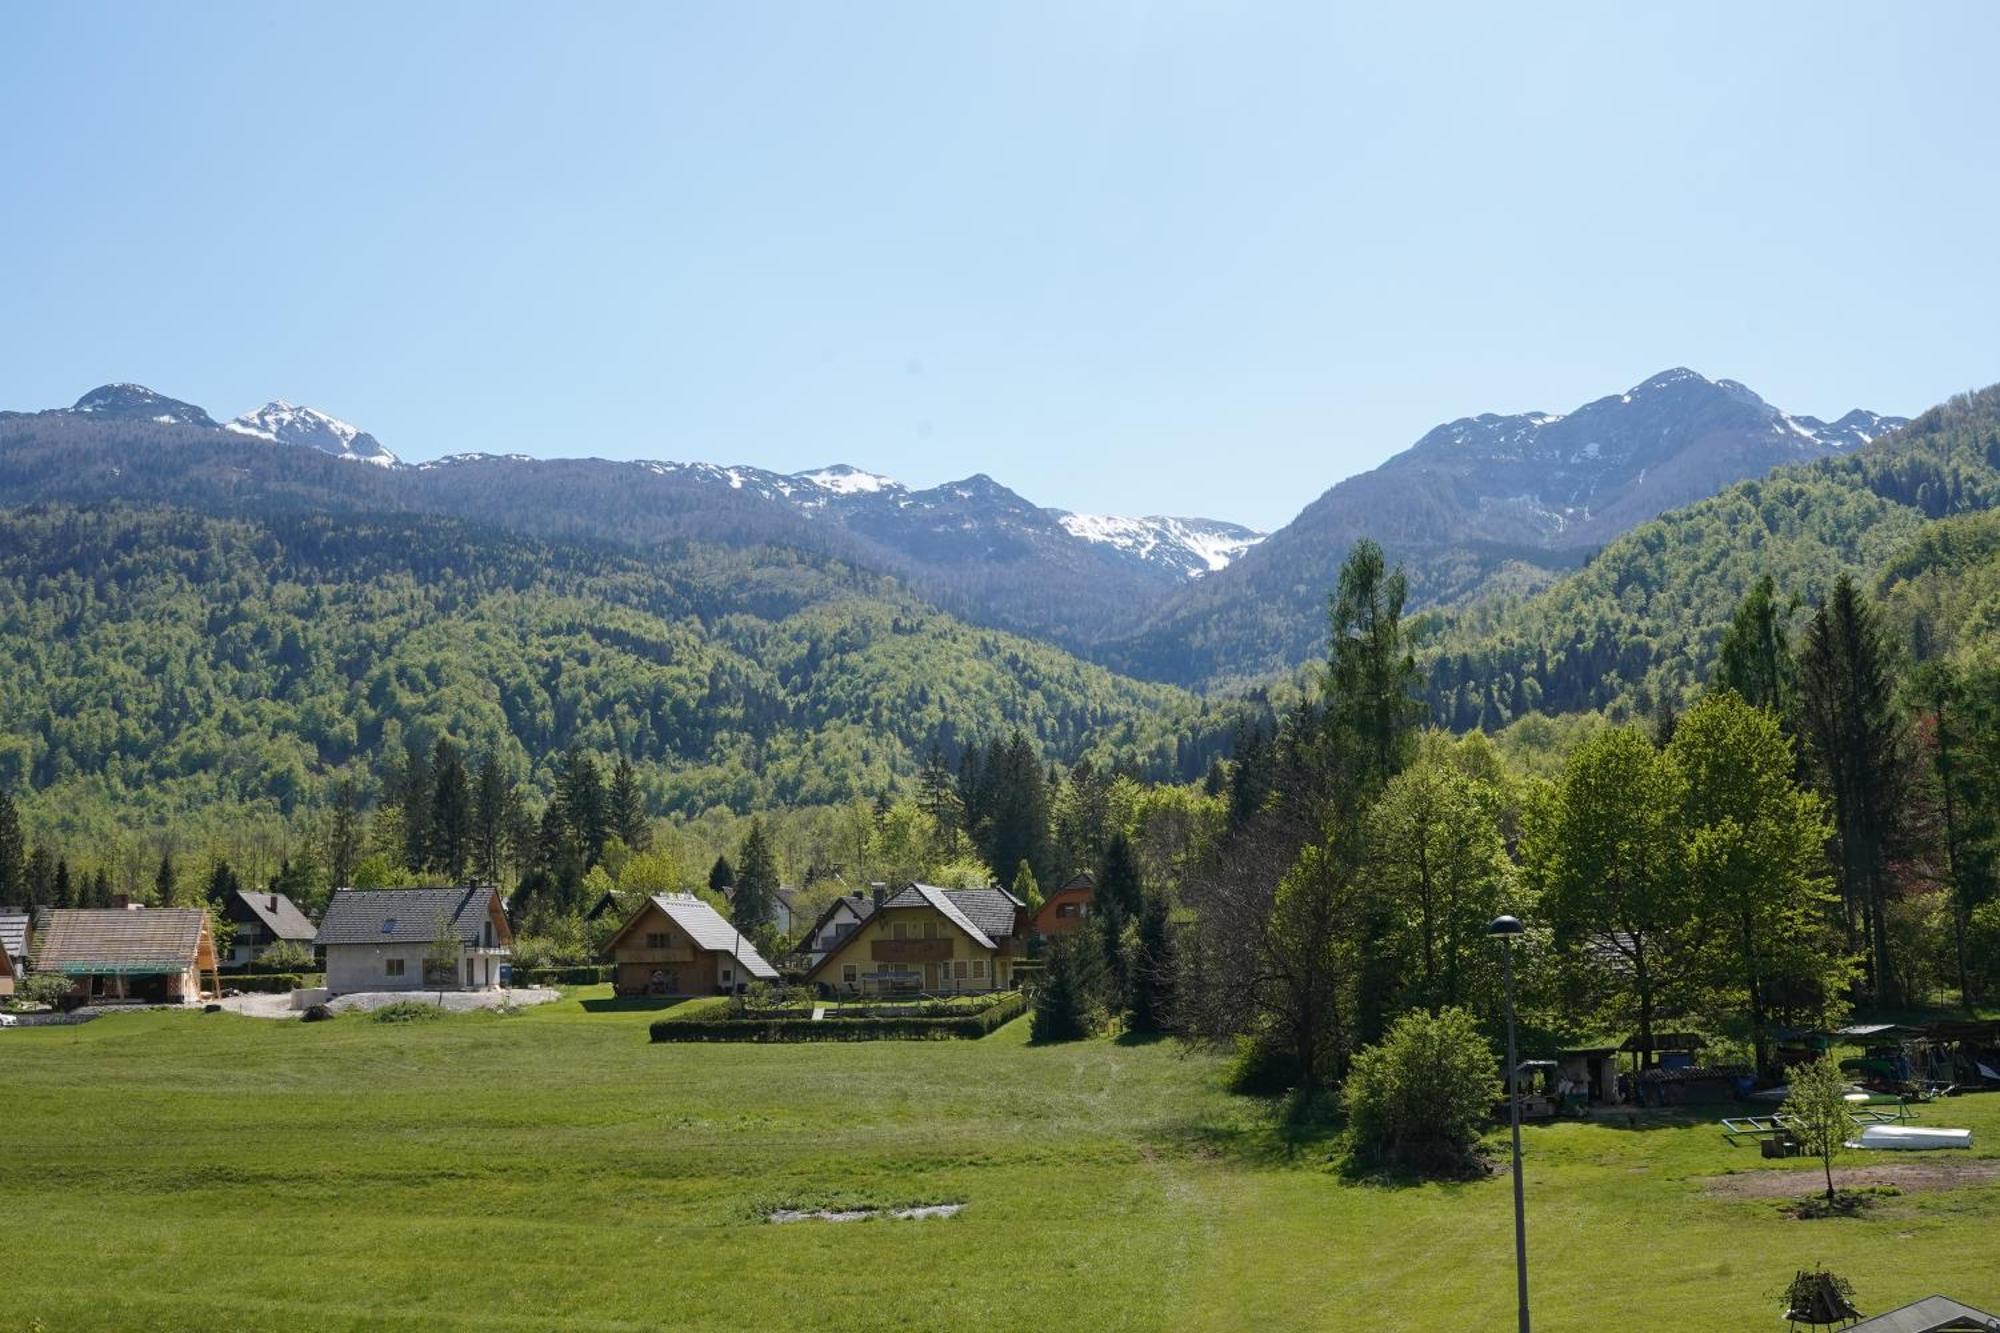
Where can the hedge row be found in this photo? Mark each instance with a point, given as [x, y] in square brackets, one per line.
[592, 975]
[840, 1029]
[266, 983]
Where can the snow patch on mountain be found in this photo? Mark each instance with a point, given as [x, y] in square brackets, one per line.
[1195, 546]
[845, 479]
[287, 423]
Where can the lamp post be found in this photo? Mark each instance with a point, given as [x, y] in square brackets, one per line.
[1505, 928]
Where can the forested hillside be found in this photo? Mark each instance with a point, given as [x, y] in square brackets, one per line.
[156, 661]
[1641, 622]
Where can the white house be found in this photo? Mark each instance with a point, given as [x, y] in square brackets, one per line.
[842, 917]
[414, 939]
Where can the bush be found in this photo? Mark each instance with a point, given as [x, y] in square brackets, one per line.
[318, 1013]
[407, 1011]
[262, 983]
[591, 975]
[1421, 1096]
[286, 956]
[1263, 1068]
[43, 988]
[706, 1025]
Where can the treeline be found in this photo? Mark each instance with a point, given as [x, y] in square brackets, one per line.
[157, 666]
[1803, 838]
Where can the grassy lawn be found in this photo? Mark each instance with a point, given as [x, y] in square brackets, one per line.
[556, 1170]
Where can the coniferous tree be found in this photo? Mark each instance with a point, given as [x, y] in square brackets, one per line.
[62, 892]
[100, 889]
[13, 853]
[450, 824]
[222, 885]
[415, 794]
[1017, 818]
[581, 799]
[1847, 697]
[1755, 658]
[938, 797]
[1025, 888]
[1153, 969]
[1116, 901]
[721, 876]
[628, 807]
[343, 834]
[489, 821]
[1372, 685]
[166, 880]
[1066, 1006]
[41, 877]
[755, 902]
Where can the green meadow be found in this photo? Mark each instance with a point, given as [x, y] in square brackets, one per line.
[555, 1170]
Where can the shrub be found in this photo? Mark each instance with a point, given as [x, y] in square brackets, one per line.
[592, 975]
[709, 1025]
[262, 983]
[286, 956]
[1421, 1096]
[1263, 1068]
[407, 1011]
[318, 1013]
[43, 988]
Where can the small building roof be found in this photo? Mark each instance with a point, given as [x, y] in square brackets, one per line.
[145, 941]
[14, 934]
[1932, 1314]
[278, 914]
[861, 905]
[405, 916]
[705, 926]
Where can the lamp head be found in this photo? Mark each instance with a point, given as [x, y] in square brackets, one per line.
[1505, 926]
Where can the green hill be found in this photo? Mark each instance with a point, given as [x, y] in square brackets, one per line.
[156, 661]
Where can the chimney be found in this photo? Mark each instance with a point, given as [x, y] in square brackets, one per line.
[880, 890]
[274, 902]
[120, 902]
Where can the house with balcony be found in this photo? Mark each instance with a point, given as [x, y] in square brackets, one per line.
[414, 939]
[676, 944]
[1064, 911]
[262, 920]
[928, 940]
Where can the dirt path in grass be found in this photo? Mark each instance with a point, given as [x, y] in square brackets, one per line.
[1910, 1177]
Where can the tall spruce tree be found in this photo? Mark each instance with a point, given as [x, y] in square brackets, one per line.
[1371, 684]
[721, 876]
[343, 834]
[1154, 968]
[13, 853]
[755, 903]
[1017, 817]
[166, 881]
[1755, 658]
[1847, 696]
[450, 824]
[489, 821]
[937, 796]
[42, 877]
[415, 792]
[580, 796]
[628, 807]
[64, 892]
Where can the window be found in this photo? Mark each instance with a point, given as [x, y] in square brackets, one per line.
[899, 931]
[930, 930]
[1065, 909]
[657, 939]
[486, 934]
[389, 925]
[850, 973]
[979, 967]
[842, 929]
[392, 967]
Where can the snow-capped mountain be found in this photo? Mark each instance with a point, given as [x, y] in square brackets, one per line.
[287, 423]
[136, 402]
[1192, 546]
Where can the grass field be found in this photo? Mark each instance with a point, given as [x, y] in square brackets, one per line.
[554, 1170]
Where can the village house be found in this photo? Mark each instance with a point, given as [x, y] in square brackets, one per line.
[154, 955]
[676, 944]
[1064, 911]
[6, 974]
[262, 920]
[784, 903]
[928, 939]
[414, 939]
[842, 917]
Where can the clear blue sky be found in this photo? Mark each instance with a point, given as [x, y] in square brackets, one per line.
[1180, 258]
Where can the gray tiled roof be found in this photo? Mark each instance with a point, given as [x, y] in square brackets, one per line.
[150, 939]
[707, 929]
[14, 934]
[402, 916]
[992, 910]
[278, 913]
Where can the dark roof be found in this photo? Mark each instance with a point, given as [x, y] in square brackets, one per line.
[1083, 879]
[861, 904]
[278, 914]
[992, 910]
[146, 941]
[1666, 1041]
[14, 934]
[1932, 1314]
[402, 916]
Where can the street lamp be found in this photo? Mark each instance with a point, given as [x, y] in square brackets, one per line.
[1505, 928]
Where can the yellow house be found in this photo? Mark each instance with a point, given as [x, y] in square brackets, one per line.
[676, 944]
[938, 941]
